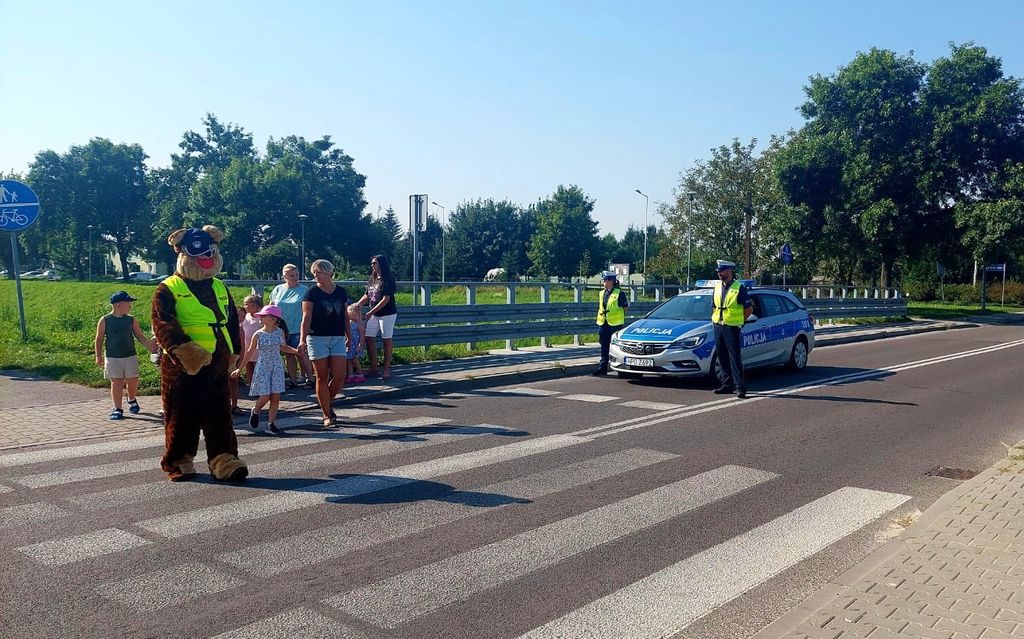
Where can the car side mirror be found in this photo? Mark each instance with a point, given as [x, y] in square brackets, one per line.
[751, 319]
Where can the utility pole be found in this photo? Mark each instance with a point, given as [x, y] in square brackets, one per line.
[748, 213]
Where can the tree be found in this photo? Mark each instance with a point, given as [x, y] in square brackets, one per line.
[486, 234]
[993, 230]
[565, 233]
[389, 232]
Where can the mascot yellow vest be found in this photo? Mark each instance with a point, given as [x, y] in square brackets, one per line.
[196, 320]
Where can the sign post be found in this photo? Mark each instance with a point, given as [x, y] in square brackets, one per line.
[19, 209]
[786, 256]
[992, 268]
[417, 223]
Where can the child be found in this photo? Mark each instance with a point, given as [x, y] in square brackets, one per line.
[116, 333]
[250, 324]
[356, 346]
[268, 377]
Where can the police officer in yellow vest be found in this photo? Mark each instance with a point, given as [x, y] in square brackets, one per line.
[611, 315]
[730, 308]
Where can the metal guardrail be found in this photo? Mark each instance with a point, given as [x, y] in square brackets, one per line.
[426, 324]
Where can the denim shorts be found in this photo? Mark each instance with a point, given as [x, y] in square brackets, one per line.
[321, 347]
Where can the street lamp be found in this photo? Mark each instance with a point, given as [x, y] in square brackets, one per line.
[689, 235]
[647, 203]
[90, 227]
[302, 223]
[444, 215]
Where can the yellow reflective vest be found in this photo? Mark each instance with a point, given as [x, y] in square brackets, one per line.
[197, 320]
[614, 315]
[728, 311]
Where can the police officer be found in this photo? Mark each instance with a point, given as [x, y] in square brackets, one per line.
[611, 315]
[730, 308]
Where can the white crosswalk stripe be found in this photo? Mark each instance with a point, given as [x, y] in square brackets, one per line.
[584, 397]
[404, 597]
[79, 547]
[533, 392]
[169, 587]
[300, 623]
[652, 405]
[332, 542]
[668, 601]
[29, 514]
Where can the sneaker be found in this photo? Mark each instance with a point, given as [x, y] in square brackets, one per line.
[116, 414]
[741, 393]
[133, 406]
[724, 390]
[358, 379]
[254, 420]
[274, 430]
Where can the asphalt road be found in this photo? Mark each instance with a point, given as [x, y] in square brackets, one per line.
[574, 507]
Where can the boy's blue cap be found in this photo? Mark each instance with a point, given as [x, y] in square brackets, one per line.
[121, 296]
[196, 242]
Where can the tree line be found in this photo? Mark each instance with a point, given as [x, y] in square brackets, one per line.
[899, 167]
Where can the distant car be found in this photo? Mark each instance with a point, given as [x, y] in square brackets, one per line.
[140, 276]
[158, 278]
[51, 275]
[677, 339]
[31, 275]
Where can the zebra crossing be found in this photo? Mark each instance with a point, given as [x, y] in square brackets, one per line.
[147, 554]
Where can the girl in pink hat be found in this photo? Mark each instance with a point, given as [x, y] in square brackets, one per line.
[267, 382]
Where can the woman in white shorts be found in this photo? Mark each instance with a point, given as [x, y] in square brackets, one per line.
[325, 335]
[380, 319]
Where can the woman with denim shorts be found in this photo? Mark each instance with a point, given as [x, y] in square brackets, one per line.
[325, 336]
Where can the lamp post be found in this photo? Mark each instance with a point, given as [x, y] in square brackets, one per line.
[444, 216]
[689, 235]
[90, 227]
[647, 203]
[302, 223]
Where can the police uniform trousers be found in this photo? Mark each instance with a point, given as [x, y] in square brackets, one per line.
[728, 339]
[604, 337]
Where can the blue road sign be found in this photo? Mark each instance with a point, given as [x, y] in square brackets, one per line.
[995, 268]
[786, 254]
[19, 206]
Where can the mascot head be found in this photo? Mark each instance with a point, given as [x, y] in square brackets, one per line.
[198, 256]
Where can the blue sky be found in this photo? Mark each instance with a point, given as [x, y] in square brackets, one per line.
[458, 99]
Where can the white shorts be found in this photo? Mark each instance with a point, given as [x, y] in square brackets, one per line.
[384, 325]
[121, 367]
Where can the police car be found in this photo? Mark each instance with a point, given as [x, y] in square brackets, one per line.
[677, 338]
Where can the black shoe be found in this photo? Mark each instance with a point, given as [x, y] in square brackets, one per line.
[600, 372]
[274, 430]
[741, 393]
[254, 420]
[723, 390]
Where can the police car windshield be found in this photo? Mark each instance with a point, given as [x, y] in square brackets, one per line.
[685, 308]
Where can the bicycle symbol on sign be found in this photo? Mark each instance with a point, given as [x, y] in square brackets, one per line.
[12, 217]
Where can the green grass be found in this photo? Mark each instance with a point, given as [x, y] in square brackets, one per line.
[61, 318]
[948, 311]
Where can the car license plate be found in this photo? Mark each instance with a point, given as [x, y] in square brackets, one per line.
[639, 362]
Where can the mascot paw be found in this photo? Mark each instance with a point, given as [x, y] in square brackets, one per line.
[184, 470]
[192, 357]
[227, 467]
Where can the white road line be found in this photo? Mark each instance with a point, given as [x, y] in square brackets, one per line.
[195, 521]
[697, 409]
[79, 547]
[316, 546]
[583, 397]
[71, 452]
[164, 588]
[652, 405]
[664, 603]
[524, 390]
[401, 598]
[86, 473]
[300, 623]
[13, 516]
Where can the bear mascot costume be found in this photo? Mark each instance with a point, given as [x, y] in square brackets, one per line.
[196, 325]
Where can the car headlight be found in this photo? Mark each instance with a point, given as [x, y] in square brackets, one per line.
[615, 337]
[690, 342]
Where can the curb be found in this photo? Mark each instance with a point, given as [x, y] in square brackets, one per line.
[885, 334]
[798, 615]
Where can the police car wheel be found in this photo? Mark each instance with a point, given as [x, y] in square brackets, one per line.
[715, 370]
[798, 358]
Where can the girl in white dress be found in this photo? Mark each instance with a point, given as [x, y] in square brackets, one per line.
[267, 381]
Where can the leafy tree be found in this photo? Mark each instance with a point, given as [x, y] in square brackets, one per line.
[389, 232]
[565, 233]
[993, 230]
[486, 234]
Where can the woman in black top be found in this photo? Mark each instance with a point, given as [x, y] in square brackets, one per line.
[380, 294]
[325, 335]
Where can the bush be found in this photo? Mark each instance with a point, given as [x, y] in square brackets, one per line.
[921, 291]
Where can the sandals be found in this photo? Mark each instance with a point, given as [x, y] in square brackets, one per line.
[116, 414]
[274, 430]
[238, 410]
[133, 406]
[254, 420]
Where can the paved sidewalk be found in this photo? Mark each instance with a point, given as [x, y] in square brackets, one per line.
[956, 573]
[35, 411]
